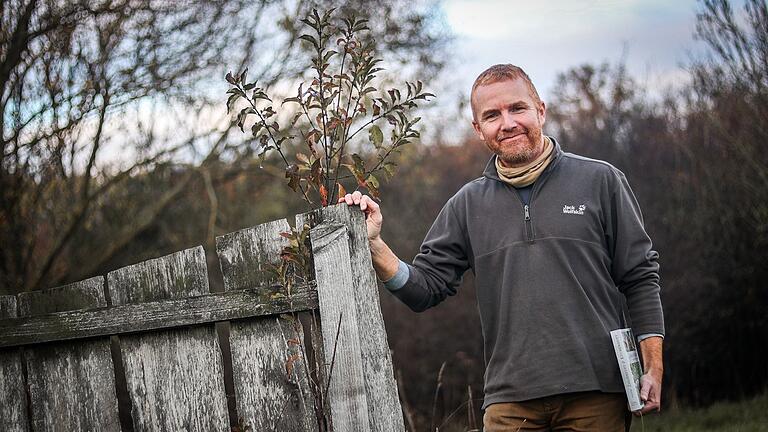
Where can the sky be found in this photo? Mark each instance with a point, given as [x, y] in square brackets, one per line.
[655, 39]
[546, 37]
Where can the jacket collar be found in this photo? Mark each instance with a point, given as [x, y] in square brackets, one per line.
[490, 167]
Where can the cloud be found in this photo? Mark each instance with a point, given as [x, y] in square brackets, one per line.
[547, 37]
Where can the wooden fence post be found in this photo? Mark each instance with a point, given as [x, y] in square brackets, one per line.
[71, 384]
[362, 378]
[13, 410]
[268, 366]
[175, 377]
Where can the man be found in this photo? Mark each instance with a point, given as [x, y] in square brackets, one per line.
[555, 241]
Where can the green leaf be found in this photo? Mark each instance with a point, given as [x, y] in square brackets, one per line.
[256, 128]
[259, 94]
[241, 118]
[281, 140]
[310, 39]
[376, 136]
[359, 162]
[328, 55]
[373, 181]
[357, 168]
[290, 99]
[389, 168]
[295, 119]
[231, 101]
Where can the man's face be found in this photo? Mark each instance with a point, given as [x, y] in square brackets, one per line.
[509, 120]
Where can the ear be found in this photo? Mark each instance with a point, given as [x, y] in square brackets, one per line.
[542, 110]
[478, 132]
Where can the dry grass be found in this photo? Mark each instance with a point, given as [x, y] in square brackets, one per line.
[745, 416]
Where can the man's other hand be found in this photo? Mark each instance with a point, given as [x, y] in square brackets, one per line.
[650, 382]
[373, 218]
[650, 392]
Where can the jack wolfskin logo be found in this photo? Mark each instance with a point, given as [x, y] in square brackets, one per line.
[569, 209]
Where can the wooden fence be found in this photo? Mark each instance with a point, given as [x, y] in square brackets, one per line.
[150, 348]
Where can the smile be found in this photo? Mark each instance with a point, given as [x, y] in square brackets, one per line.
[511, 137]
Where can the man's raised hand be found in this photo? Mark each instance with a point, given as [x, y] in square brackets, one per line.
[373, 218]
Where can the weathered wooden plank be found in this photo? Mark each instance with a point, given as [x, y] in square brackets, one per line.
[341, 330]
[85, 294]
[13, 410]
[270, 377]
[271, 383]
[316, 354]
[174, 377]
[380, 385]
[245, 256]
[154, 315]
[71, 385]
[8, 306]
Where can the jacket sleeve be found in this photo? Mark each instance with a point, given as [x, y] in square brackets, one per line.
[438, 269]
[634, 265]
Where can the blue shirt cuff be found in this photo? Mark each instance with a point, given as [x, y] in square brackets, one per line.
[399, 279]
[647, 335]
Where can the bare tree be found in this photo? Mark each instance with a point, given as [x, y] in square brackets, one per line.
[732, 83]
[97, 93]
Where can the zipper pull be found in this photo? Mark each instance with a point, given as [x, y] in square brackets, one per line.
[527, 213]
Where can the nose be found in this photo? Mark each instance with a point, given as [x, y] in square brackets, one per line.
[509, 122]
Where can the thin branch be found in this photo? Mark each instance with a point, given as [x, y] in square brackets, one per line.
[333, 356]
[345, 138]
[272, 137]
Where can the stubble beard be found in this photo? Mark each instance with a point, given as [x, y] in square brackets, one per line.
[517, 156]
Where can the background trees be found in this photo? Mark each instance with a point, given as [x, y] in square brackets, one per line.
[726, 174]
[107, 112]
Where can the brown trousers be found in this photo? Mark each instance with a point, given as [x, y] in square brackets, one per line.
[573, 412]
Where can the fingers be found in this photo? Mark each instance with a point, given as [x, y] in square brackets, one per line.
[650, 394]
[371, 205]
[353, 198]
[357, 198]
[650, 406]
[645, 389]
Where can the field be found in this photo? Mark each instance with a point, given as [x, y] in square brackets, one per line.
[746, 416]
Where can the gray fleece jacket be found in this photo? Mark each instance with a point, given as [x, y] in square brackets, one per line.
[551, 277]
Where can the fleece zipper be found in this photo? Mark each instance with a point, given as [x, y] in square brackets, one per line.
[529, 234]
[528, 225]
